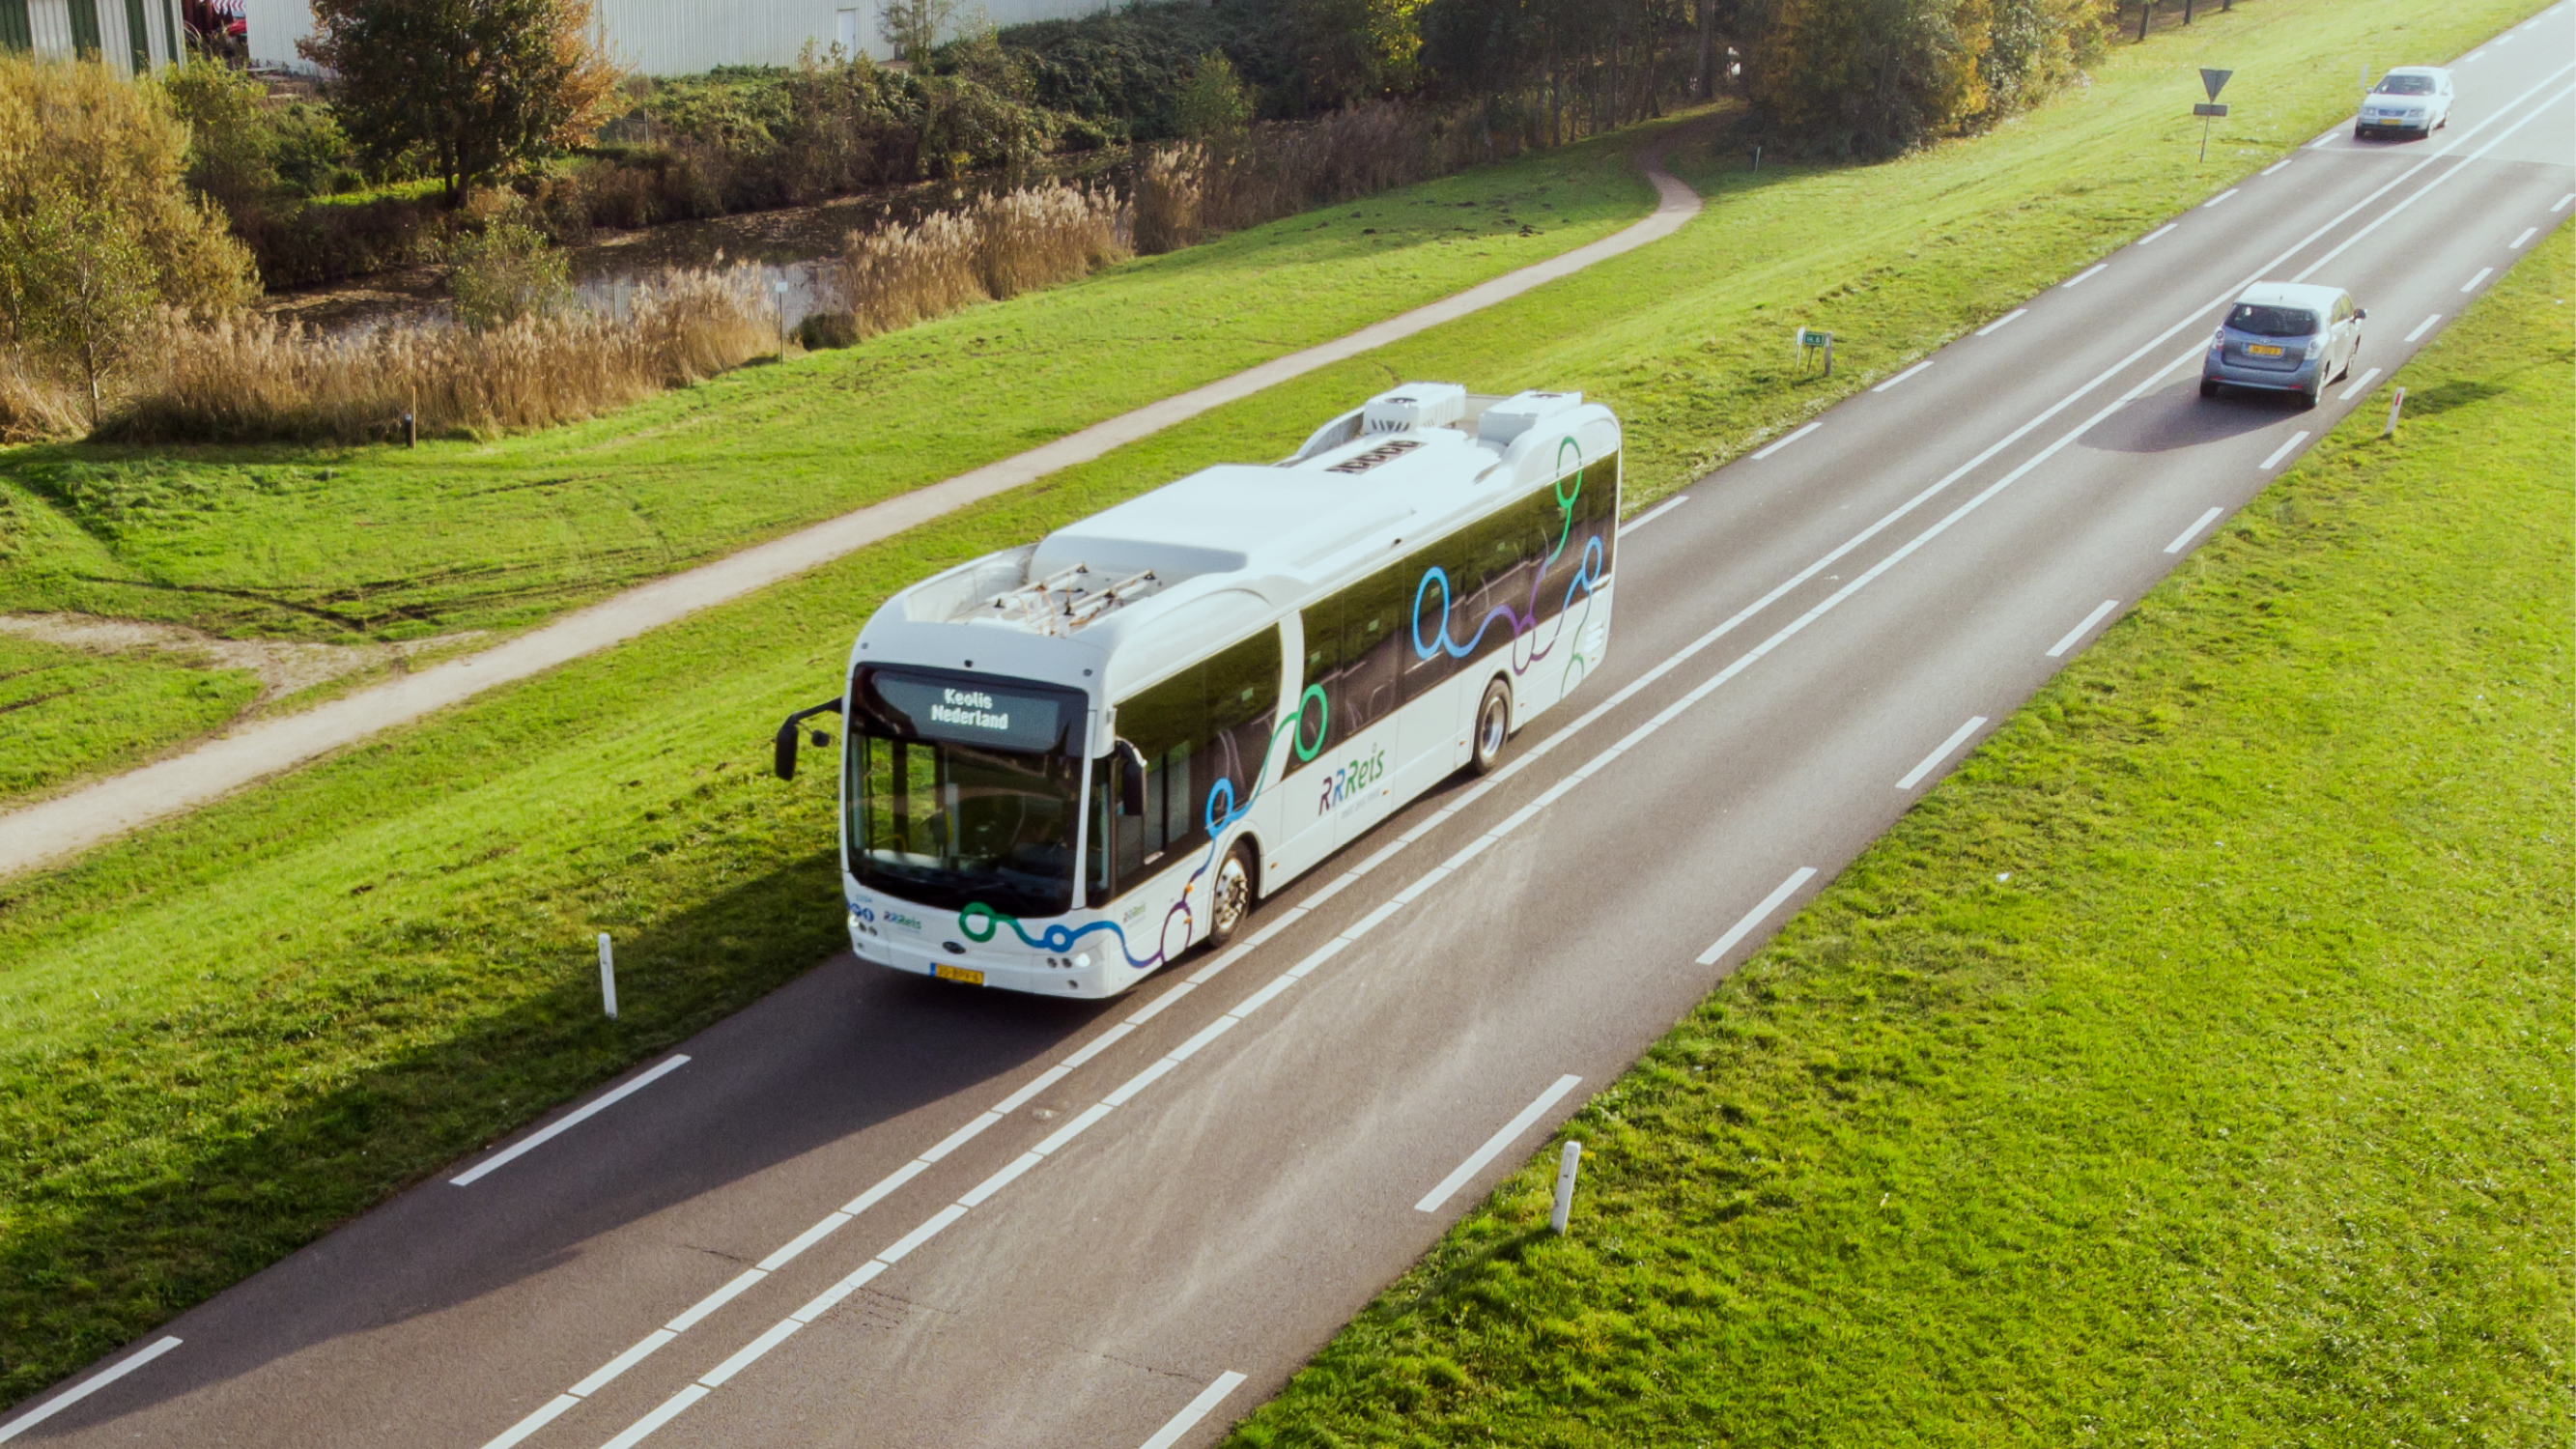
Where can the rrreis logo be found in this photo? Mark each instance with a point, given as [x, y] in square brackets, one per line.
[1350, 781]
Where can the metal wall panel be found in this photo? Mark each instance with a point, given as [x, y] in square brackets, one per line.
[51, 21]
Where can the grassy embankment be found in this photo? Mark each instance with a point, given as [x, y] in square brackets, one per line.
[227, 1033]
[2191, 1068]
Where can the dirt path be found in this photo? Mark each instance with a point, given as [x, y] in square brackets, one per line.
[100, 812]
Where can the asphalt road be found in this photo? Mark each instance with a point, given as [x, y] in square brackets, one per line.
[946, 1218]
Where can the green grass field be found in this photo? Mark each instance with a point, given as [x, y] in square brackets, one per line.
[66, 713]
[223, 1035]
[2190, 1068]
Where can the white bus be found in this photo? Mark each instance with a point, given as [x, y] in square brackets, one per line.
[1066, 764]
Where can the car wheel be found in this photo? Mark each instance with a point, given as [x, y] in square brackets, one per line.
[1493, 728]
[2308, 399]
[2208, 388]
[1232, 895]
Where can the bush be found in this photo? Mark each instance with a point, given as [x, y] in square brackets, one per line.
[503, 274]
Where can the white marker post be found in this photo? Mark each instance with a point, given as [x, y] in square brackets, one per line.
[780, 288]
[2394, 405]
[1566, 1164]
[607, 976]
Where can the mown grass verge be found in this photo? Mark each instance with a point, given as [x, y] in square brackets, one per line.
[222, 1036]
[66, 712]
[2190, 1068]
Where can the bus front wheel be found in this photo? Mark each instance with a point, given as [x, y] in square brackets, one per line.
[1493, 727]
[1233, 894]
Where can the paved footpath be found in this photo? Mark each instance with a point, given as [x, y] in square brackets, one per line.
[68, 824]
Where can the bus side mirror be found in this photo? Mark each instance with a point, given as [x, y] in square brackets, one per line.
[1131, 780]
[784, 747]
[2361, 314]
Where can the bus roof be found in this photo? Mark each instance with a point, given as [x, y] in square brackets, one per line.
[1142, 587]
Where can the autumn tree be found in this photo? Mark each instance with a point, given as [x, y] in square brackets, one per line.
[476, 88]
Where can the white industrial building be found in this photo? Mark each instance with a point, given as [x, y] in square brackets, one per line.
[129, 35]
[679, 37]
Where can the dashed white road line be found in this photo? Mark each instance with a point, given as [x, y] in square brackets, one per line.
[1495, 1144]
[2222, 196]
[2197, 524]
[2286, 160]
[1757, 915]
[2423, 327]
[2360, 385]
[2524, 240]
[2281, 452]
[1933, 760]
[2103, 611]
[1999, 323]
[2159, 231]
[2086, 275]
[1779, 443]
[1182, 1422]
[87, 1387]
[1902, 376]
[1651, 514]
[2562, 203]
[567, 1122]
[2471, 284]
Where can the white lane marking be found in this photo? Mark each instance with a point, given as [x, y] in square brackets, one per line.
[2188, 534]
[566, 1123]
[2471, 284]
[1319, 956]
[2283, 451]
[1778, 444]
[551, 1410]
[1037, 1084]
[961, 1136]
[2424, 326]
[885, 1186]
[788, 1250]
[2088, 274]
[606, 1373]
[830, 1298]
[2103, 611]
[2562, 203]
[696, 1312]
[668, 1410]
[2327, 139]
[2474, 57]
[1264, 996]
[1154, 1008]
[1099, 1044]
[2222, 196]
[1206, 1034]
[2392, 213]
[2286, 160]
[976, 1196]
[2525, 239]
[1091, 1115]
[89, 1386]
[1998, 324]
[1933, 760]
[931, 1227]
[1181, 1423]
[750, 1353]
[1902, 376]
[1651, 514]
[1495, 1144]
[2359, 385]
[1757, 915]
[2159, 231]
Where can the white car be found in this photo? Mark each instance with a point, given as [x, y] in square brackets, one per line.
[2412, 100]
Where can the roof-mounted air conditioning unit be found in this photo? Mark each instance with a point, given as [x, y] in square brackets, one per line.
[1414, 405]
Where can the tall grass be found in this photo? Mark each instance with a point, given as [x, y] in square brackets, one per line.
[1188, 190]
[248, 378]
[990, 250]
[32, 405]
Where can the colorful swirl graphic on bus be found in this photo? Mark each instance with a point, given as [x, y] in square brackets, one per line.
[981, 923]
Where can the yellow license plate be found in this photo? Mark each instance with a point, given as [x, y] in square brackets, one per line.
[2257, 349]
[967, 974]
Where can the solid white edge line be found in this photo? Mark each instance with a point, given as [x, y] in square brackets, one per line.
[1070, 1130]
[2159, 231]
[981, 1192]
[2188, 534]
[1037, 1084]
[1651, 514]
[1372, 920]
[745, 1356]
[2423, 327]
[567, 1122]
[2360, 385]
[2527, 234]
[1154, 1008]
[1777, 444]
[1319, 956]
[2355, 237]
[1155, 1070]
[546, 1413]
[1902, 376]
[668, 1410]
[1208, 1033]
[2562, 203]
[885, 1186]
[2471, 284]
[2285, 450]
[961, 1136]
[1264, 996]
[2222, 196]
[2284, 161]
[1099, 1044]
[830, 1298]
[89, 1386]
[931, 1227]
[2088, 274]
[786, 1252]
[2058, 649]
[1495, 1144]
[696, 1312]
[1933, 760]
[2000, 321]
[1182, 1422]
[1756, 916]
[607, 1373]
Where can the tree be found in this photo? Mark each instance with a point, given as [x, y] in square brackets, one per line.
[912, 28]
[1213, 104]
[480, 87]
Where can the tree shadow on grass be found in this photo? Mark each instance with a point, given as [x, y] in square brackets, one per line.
[264, 1234]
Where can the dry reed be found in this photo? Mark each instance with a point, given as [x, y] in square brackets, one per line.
[249, 378]
[992, 250]
[33, 406]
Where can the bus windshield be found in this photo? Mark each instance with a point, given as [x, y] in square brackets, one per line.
[963, 791]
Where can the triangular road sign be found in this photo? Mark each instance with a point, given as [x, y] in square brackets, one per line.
[2214, 79]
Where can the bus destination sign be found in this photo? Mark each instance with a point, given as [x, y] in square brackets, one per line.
[973, 714]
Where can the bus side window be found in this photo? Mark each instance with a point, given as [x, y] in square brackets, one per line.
[1323, 622]
[1376, 614]
[1243, 708]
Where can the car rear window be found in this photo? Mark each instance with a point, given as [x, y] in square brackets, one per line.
[2407, 85]
[2272, 321]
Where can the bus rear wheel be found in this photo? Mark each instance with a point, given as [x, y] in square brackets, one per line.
[1232, 894]
[1493, 728]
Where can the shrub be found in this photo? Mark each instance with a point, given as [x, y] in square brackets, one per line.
[505, 273]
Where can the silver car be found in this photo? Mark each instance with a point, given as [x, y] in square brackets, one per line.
[2412, 100]
[2284, 337]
